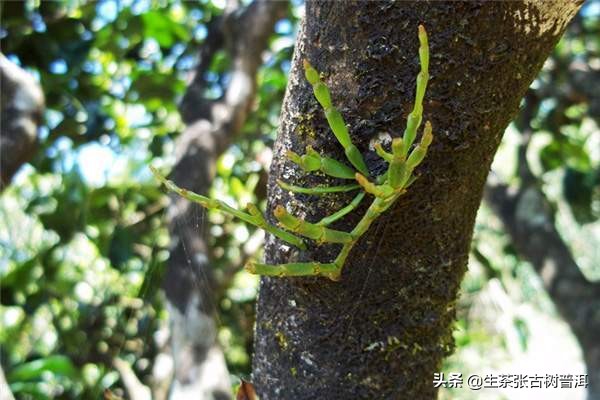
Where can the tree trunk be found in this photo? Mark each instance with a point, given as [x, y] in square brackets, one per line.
[200, 370]
[384, 329]
[21, 110]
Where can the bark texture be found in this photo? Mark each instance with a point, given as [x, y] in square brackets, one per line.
[528, 218]
[21, 110]
[200, 370]
[384, 329]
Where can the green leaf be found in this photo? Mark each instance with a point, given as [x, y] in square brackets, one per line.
[557, 154]
[57, 364]
[34, 390]
[578, 189]
[158, 25]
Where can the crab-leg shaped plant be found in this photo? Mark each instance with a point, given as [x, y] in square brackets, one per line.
[385, 189]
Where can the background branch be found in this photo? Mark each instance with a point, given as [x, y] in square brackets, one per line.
[528, 218]
[212, 125]
[21, 110]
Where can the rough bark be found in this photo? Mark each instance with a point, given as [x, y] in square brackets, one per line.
[21, 110]
[529, 220]
[200, 370]
[384, 329]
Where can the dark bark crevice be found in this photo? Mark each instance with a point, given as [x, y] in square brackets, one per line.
[384, 329]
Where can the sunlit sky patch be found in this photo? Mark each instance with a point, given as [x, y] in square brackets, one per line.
[591, 9]
[95, 161]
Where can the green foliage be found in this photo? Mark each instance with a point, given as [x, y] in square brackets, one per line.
[83, 246]
[83, 241]
[505, 316]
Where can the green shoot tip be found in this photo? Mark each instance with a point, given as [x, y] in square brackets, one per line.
[397, 145]
[250, 267]
[279, 211]
[427, 135]
[157, 174]
[360, 178]
[312, 76]
[422, 35]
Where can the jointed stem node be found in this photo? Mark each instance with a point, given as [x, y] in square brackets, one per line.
[386, 188]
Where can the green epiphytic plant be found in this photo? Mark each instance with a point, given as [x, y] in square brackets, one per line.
[385, 188]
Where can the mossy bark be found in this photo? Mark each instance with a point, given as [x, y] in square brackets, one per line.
[383, 330]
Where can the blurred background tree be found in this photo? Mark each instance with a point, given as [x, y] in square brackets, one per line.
[85, 233]
[113, 74]
[535, 255]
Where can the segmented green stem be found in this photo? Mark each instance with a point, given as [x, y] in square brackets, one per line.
[342, 211]
[382, 153]
[377, 207]
[255, 218]
[313, 161]
[386, 188]
[329, 270]
[334, 118]
[414, 118]
[318, 189]
[319, 233]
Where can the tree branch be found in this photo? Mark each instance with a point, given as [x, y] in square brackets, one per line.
[529, 220]
[212, 125]
[136, 390]
[22, 106]
[207, 136]
[527, 217]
